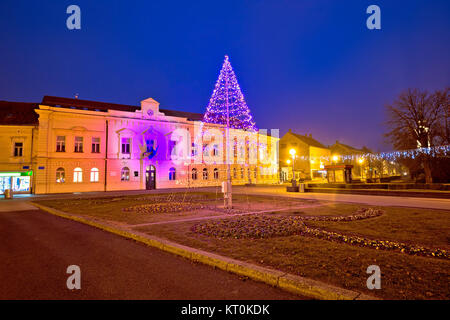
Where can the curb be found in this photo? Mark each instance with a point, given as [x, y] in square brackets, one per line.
[289, 282]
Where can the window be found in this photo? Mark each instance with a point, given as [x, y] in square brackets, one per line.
[234, 173]
[255, 172]
[205, 149]
[235, 148]
[126, 143]
[172, 146]
[194, 150]
[216, 173]
[172, 174]
[205, 174]
[249, 175]
[194, 174]
[60, 144]
[95, 145]
[78, 144]
[242, 173]
[78, 175]
[94, 175]
[18, 149]
[125, 174]
[60, 175]
[215, 150]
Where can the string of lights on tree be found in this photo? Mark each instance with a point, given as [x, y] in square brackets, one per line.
[239, 113]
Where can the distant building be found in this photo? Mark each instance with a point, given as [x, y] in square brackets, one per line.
[73, 145]
[310, 158]
[345, 154]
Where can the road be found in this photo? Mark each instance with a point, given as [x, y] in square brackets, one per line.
[428, 203]
[36, 248]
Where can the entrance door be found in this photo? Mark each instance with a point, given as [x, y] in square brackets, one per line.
[150, 178]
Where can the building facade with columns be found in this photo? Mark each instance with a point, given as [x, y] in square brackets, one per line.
[72, 145]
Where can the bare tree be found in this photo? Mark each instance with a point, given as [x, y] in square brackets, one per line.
[418, 119]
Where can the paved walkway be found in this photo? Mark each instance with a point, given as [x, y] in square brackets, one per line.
[276, 190]
[37, 248]
[428, 203]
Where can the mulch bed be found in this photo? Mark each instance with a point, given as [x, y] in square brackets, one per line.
[262, 226]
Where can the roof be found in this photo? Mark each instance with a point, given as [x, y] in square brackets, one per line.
[18, 113]
[105, 106]
[309, 140]
[339, 145]
[86, 104]
[23, 113]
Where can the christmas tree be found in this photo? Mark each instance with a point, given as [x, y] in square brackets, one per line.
[226, 98]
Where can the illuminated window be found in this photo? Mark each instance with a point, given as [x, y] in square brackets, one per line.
[125, 174]
[60, 175]
[216, 173]
[95, 145]
[194, 150]
[215, 150]
[78, 175]
[18, 149]
[78, 144]
[60, 144]
[94, 175]
[205, 174]
[126, 145]
[194, 174]
[172, 174]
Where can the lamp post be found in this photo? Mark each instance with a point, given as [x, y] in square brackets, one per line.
[293, 152]
[361, 161]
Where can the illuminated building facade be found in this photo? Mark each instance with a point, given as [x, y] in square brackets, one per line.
[309, 160]
[72, 145]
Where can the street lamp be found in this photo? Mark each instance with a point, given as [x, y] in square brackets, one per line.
[335, 158]
[361, 161]
[293, 152]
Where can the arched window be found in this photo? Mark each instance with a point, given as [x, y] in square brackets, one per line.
[60, 175]
[242, 173]
[234, 173]
[77, 175]
[94, 175]
[216, 173]
[194, 174]
[125, 174]
[172, 174]
[205, 174]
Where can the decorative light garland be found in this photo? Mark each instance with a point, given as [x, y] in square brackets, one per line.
[437, 151]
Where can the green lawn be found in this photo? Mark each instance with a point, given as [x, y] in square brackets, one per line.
[403, 276]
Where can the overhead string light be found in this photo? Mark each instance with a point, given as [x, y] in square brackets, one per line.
[227, 87]
[436, 152]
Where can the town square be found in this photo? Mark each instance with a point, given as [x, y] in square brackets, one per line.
[211, 153]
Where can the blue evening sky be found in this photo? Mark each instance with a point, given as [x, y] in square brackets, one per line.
[312, 66]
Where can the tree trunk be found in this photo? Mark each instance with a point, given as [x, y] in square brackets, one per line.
[427, 169]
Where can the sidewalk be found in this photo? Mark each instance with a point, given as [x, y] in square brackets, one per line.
[388, 201]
